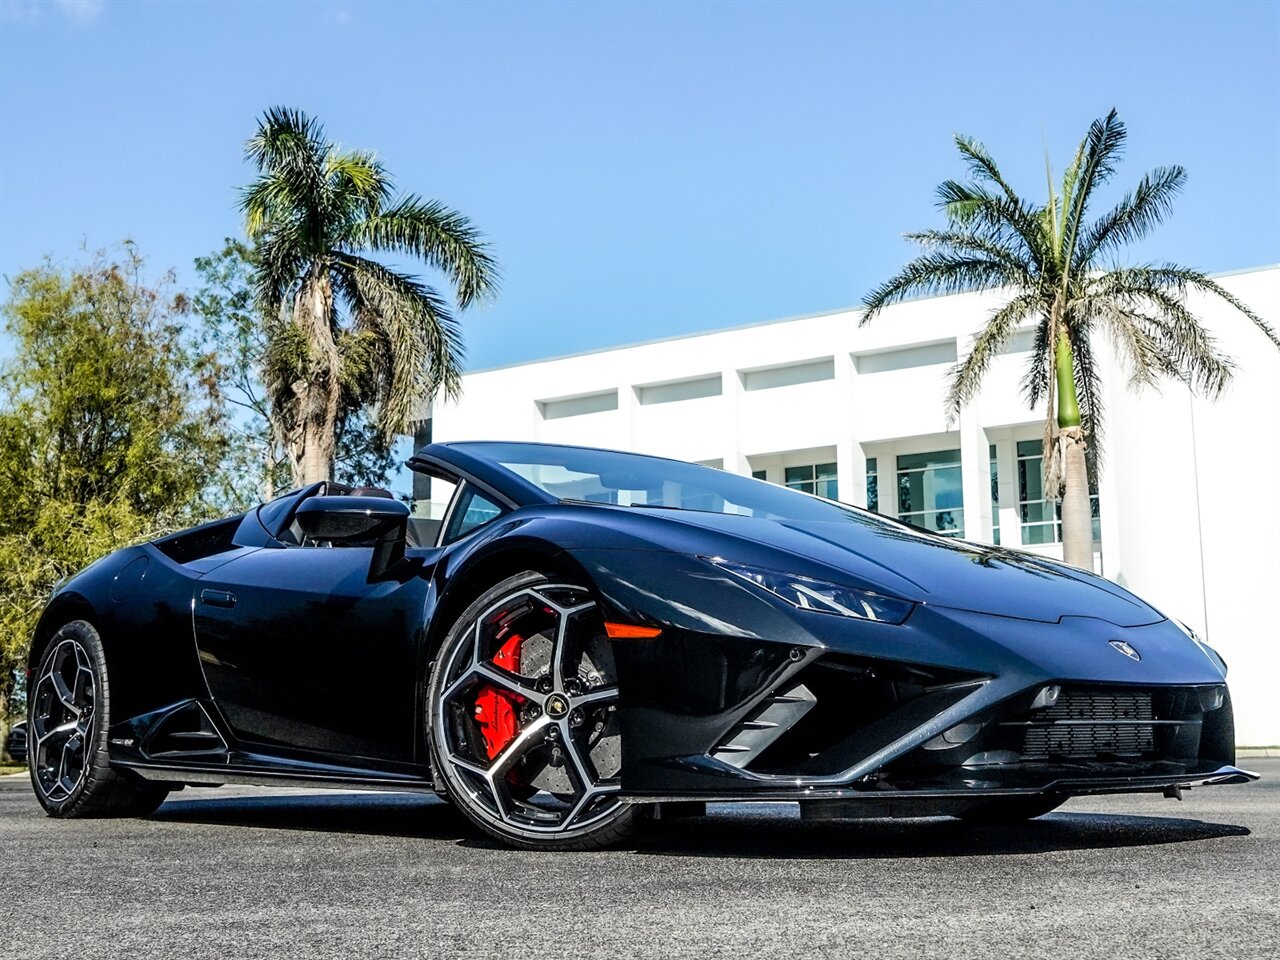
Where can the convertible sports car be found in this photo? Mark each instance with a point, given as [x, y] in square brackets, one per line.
[588, 636]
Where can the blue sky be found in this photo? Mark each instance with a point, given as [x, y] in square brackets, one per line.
[641, 169]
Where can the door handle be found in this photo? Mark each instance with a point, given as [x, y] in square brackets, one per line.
[218, 598]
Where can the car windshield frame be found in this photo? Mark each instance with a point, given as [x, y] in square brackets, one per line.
[614, 478]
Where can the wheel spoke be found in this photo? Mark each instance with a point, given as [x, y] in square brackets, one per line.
[532, 734]
[585, 777]
[509, 681]
[558, 653]
[597, 695]
[63, 692]
[499, 678]
[468, 766]
[584, 801]
[62, 730]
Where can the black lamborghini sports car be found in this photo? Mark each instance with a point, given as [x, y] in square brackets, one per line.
[587, 635]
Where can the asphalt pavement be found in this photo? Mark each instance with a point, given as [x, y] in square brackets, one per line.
[245, 872]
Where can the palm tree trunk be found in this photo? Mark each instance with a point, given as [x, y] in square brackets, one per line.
[315, 442]
[1077, 520]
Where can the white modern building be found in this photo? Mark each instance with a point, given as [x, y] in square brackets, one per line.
[1184, 513]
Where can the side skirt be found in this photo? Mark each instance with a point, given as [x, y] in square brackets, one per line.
[334, 779]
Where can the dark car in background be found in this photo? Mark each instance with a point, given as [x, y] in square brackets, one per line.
[15, 745]
[588, 634]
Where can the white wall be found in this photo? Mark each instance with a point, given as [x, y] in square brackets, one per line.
[1197, 503]
[1191, 522]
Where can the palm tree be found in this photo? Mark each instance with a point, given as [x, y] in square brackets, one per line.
[1053, 265]
[347, 334]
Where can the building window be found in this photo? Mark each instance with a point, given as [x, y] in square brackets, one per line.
[1042, 517]
[995, 498]
[815, 478]
[930, 491]
[759, 474]
[873, 485]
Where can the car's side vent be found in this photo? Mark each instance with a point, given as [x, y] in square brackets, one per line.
[774, 717]
[186, 730]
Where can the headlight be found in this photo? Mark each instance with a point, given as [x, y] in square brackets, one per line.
[1209, 652]
[821, 596]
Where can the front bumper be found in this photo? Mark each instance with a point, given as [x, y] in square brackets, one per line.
[731, 663]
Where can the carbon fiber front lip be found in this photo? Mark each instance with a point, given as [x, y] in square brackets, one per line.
[1067, 786]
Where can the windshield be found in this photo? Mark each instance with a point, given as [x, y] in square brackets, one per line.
[632, 480]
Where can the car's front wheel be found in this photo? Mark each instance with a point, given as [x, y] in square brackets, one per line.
[523, 717]
[68, 712]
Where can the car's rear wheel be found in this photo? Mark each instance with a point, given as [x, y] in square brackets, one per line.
[1000, 810]
[68, 713]
[523, 718]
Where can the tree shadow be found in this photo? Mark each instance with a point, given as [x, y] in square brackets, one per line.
[769, 832]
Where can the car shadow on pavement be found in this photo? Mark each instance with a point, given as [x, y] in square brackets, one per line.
[731, 835]
[774, 838]
[406, 815]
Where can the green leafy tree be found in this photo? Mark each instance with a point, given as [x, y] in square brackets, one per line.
[110, 430]
[234, 333]
[237, 334]
[353, 334]
[1058, 268]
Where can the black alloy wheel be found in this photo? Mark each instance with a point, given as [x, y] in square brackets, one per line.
[523, 718]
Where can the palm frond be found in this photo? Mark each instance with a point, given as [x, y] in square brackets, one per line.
[1130, 332]
[357, 182]
[1189, 351]
[982, 166]
[1035, 382]
[423, 343]
[1172, 277]
[1070, 180]
[285, 137]
[939, 272]
[280, 263]
[1133, 217]
[1011, 223]
[1185, 350]
[432, 232]
[966, 376]
[288, 150]
[1102, 148]
[966, 241]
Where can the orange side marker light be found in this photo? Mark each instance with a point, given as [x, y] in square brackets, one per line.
[629, 631]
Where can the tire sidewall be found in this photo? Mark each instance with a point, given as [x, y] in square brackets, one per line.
[615, 825]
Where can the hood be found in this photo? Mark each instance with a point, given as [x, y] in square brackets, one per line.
[937, 570]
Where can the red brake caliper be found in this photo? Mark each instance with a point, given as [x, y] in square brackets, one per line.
[497, 710]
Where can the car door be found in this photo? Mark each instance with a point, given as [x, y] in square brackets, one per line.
[303, 653]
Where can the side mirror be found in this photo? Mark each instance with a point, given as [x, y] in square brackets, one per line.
[350, 519]
[374, 521]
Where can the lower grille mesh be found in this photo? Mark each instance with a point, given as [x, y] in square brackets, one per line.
[1083, 725]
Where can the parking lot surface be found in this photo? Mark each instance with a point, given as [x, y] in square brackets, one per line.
[246, 872]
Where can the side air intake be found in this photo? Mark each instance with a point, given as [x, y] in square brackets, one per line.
[775, 716]
[187, 730]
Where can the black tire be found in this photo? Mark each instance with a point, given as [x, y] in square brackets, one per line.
[551, 783]
[68, 716]
[1005, 810]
